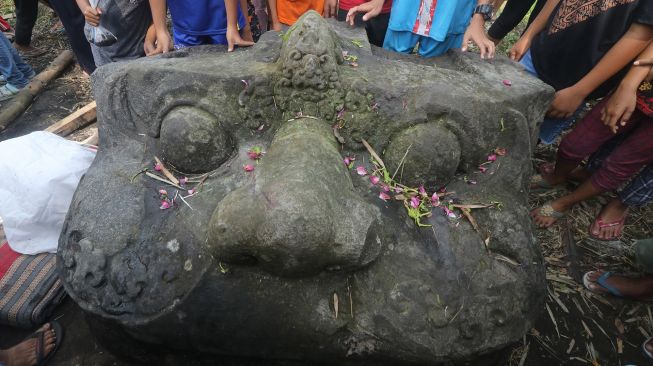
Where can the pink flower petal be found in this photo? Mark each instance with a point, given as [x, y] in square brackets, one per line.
[191, 191]
[163, 192]
[449, 213]
[183, 180]
[361, 170]
[248, 168]
[384, 196]
[422, 191]
[471, 181]
[435, 200]
[385, 187]
[164, 205]
[500, 151]
[507, 82]
[374, 179]
[398, 189]
[482, 169]
[349, 160]
[414, 202]
[157, 167]
[492, 157]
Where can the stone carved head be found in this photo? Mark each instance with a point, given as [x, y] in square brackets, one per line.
[299, 259]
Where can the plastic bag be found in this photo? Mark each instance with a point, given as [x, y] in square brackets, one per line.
[39, 173]
[99, 35]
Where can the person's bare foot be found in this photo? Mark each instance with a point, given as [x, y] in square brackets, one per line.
[579, 174]
[609, 223]
[29, 51]
[548, 214]
[26, 352]
[638, 288]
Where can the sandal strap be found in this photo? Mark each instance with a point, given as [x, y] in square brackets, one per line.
[602, 281]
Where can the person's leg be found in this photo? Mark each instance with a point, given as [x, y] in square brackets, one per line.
[26, 15]
[403, 42]
[260, 7]
[73, 21]
[637, 288]
[9, 64]
[26, 352]
[376, 29]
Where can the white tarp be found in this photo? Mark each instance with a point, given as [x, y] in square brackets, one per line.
[39, 173]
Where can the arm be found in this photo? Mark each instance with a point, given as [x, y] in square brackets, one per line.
[476, 33]
[276, 25]
[330, 8]
[524, 43]
[622, 102]
[92, 16]
[371, 9]
[163, 41]
[566, 101]
[233, 36]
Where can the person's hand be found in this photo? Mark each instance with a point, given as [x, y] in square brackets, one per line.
[149, 45]
[476, 33]
[371, 9]
[330, 8]
[565, 103]
[620, 107]
[646, 63]
[163, 43]
[520, 48]
[234, 39]
[92, 16]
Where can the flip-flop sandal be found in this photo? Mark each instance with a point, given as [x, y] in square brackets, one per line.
[602, 225]
[601, 281]
[646, 352]
[41, 358]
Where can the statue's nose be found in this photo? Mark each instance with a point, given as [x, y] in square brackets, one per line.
[301, 214]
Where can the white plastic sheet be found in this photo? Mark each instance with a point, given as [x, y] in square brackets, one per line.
[39, 173]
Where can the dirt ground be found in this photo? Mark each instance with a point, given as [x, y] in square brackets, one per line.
[576, 327]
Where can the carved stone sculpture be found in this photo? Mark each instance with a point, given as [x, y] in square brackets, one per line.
[278, 244]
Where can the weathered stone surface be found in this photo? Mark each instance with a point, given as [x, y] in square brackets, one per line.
[254, 268]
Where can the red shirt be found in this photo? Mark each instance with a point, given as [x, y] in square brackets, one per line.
[348, 4]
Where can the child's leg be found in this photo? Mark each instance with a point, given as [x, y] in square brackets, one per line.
[8, 67]
[399, 41]
[377, 28]
[635, 152]
[260, 7]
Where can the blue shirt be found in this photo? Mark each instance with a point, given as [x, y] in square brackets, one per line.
[435, 19]
[201, 17]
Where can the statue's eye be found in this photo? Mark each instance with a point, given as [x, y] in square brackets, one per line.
[193, 140]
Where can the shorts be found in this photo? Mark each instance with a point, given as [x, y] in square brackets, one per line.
[405, 42]
[186, 40]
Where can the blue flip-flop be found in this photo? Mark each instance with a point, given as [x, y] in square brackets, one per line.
[601, 281]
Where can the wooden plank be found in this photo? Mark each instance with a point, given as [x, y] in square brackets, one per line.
[19, 103]
[78, 119]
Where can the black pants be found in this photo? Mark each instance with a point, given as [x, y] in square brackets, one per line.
[513, 13]
[26, 13]
[375, 27]
[73, 21]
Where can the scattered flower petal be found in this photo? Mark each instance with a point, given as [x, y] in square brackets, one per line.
[183, 180]
[471, 181]
[157, 167]
[248, 168]
[422, 191]
[191, 191]
[414, 202]
[500, 151]
[398, 189]
[163, 192]
[435, 200]
[507, 82]
[374, 179]
[385, 187]
[246, 83]
[164, 205]
[450, 214]
[384, 196]
[255, 153]
[482, 169]
[349, 161]
[341, 114]
[261, 127]
[492, 157]
[361, 170]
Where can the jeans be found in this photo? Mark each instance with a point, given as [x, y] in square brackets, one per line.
[12, 67]
[551, 127]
